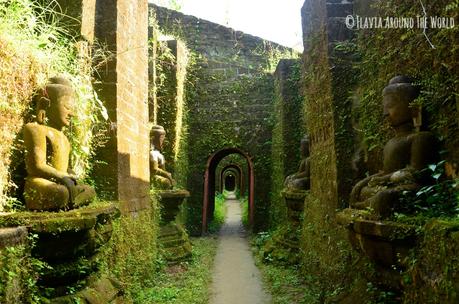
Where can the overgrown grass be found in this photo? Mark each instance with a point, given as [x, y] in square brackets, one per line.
[186, 283]
[131, 255]
[219, 213]
[245, 210]
[286, 284]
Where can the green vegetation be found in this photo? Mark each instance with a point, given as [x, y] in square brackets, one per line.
[441, 199]
[186, 283]
[131, 255]
[219, 213]
[285, 282]
[245, 210]
[17, 283]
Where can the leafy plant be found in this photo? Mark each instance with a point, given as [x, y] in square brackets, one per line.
[440, 199]
[219, 213]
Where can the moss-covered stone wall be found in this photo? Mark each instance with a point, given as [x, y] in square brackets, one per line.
[229, 99]
[288, 130]
[326, 253]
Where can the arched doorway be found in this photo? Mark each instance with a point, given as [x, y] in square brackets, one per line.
[208, 204]
[238, 172]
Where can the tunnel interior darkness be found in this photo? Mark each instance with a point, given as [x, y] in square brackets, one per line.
[230, 182]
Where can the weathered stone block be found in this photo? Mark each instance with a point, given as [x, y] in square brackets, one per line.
[12, 236]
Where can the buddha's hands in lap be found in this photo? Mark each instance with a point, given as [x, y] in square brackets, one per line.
[378, 180]
[70, 183]
[402, 176]
[355, 193]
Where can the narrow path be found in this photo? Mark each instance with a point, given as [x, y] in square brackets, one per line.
[236, 279]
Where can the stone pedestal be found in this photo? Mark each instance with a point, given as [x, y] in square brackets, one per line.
[68, 241]
[294, 200]
[285, 243]
[385, 243]
[172, 236]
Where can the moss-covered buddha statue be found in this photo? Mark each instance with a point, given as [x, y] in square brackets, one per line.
[300, 180]
[160, 178]
[50, 183]
[405, 155]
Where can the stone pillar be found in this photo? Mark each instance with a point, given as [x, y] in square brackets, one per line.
[328, 81]
[122, 25]
[287, 88]
[170, 101]
[327, 77]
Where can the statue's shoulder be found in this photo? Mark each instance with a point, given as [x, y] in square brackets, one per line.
[34, 128]
[423, 138]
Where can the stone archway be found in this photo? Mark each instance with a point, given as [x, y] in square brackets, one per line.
[239, 176]
[208, 204]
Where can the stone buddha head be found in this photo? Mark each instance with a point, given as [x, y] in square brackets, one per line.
[157, 135]
[56, 103]
[397, 99]
[305, 147]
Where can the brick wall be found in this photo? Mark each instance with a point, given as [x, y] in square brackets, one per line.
[123, 88]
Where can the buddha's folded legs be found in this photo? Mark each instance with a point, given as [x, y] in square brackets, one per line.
[43, 194]
[160, 182]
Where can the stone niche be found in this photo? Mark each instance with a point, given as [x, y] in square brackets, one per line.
[68, 242]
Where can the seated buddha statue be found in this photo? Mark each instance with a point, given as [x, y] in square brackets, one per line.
[50, 183]
[300, 180]
[160, 178]
[404, 156]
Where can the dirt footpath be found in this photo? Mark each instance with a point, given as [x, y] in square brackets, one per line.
[236, 279]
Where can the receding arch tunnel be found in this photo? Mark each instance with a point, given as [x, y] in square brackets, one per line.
[238, 172]
[208, 205]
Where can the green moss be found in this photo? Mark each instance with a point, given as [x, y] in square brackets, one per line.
[75, 220]
[19, 274]
[131, 255]
[434, 265]
[288, 129]
[187, 283]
